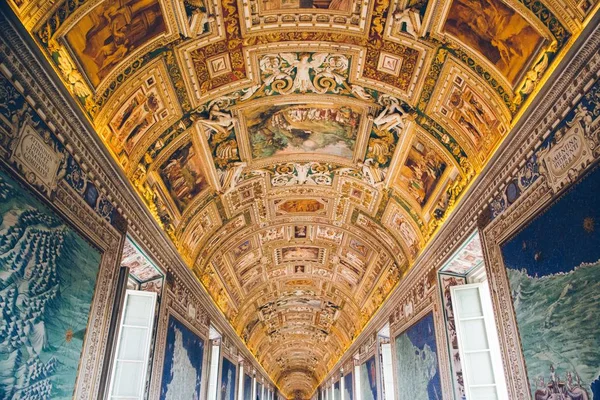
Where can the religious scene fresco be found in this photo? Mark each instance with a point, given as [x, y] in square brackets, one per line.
[47, 277]
[182, 369]
[136, 117]
[111, 32]
[289, 129]
[338, 5]
[182, 175]
[422, 171]
[472, 113]
[417, 361]
[552, 267]
[499, 33]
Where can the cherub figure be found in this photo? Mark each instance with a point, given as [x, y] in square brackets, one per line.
[411, 20]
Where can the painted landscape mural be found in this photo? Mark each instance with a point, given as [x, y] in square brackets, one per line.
[294, 129]
[247, 387]
[553, 266]
[348, 387]
[228, 380]
[258, 391]
[182, 370]
[47, 277]
[368, 380]
[417, 362]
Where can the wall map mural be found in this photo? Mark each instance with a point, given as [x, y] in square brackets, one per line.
[182, 369]
[182, 175]
[417, 361]
[47, 278]
[368, 380]
[228, 380]
[552, 267]
[348, 387]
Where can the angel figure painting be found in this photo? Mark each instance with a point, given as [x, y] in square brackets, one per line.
[296, 129]
[497, 32]
[337, 5]
[182, 175]
[111, 31]
[421, 172]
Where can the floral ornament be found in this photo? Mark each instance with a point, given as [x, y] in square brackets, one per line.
[73, 79]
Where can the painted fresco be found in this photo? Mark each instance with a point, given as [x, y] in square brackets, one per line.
[469, 256]
[247, 387]
[241, 249]
[182, 175]
[258, 391]
[294, 129]
[47, 278]
[337, 395]
[471, 112]
[301, 206]
[348, 387]
[337, 5]
[136, 117]
[139, 265]
[553, 267]
[368, 380]
[417, 362]
[497, 32]
[111, 31]
[300, 253]
[182, 370]
[228, 380]
[421, 171]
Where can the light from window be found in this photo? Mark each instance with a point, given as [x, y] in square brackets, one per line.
[133, 346]
[478, 342]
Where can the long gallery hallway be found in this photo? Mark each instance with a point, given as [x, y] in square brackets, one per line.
[300, 199]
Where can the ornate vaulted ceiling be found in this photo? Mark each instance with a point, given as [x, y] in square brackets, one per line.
[300, 153]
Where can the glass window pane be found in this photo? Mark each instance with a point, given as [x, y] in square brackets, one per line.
[127, 379]
[474, 334]
[137, 310]
[469, 305]
[484, 393]
[133, 344]
[479, 367]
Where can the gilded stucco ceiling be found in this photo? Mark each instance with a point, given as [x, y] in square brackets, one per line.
[300, 153]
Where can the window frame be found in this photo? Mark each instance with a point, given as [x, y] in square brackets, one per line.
[149, 333]
[485, 300]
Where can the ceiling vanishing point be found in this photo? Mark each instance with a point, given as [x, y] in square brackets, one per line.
[301, 153]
